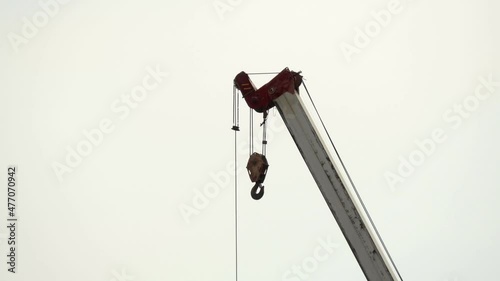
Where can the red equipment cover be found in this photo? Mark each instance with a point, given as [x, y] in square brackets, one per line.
[262, 99]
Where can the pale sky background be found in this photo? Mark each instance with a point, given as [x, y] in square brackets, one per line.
[118, 214]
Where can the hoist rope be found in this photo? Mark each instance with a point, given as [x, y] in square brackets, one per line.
[236, 128]
[261, 73]
[236, 203]
[251, 132]
[352, 183]
[234, 106]
[264, 134]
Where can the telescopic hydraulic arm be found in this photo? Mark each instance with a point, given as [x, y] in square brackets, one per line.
[282, 92]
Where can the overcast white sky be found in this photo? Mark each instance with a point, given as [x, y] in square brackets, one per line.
[117, 115]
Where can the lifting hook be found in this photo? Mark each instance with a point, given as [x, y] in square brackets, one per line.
[256, 193]
[257, 169]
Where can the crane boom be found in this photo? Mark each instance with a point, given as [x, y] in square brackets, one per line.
[282, 92]
[338, 199]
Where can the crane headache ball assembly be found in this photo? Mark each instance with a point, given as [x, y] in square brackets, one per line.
[348, 210]
[261, 100]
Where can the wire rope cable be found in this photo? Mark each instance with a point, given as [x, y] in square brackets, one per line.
[236, 128]
[251, 147]
[262, 73]
[236, 203]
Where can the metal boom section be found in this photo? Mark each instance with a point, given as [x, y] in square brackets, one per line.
[344, 209]
[351, 216]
